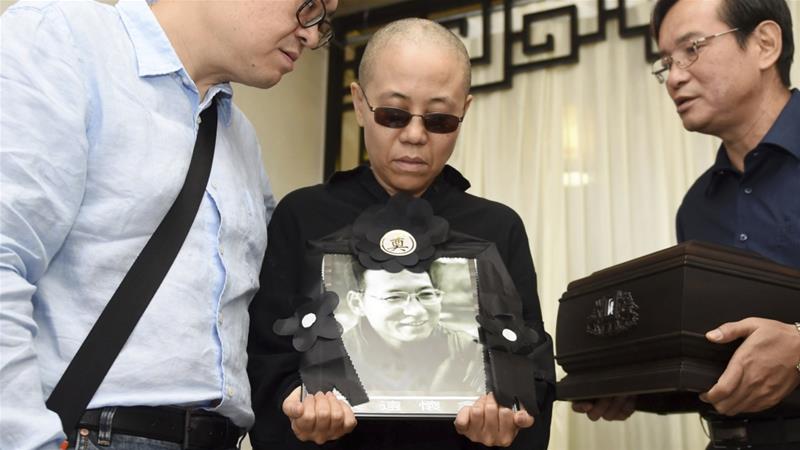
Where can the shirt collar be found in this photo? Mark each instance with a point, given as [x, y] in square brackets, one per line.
[449, 178]
[784, 134]
[155, 55]
[722, 163]
[722, 167]
[154, 52]
[454, 178]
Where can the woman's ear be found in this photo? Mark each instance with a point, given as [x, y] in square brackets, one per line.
[358, 102]
[467, 103]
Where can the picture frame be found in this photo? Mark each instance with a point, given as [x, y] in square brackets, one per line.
[415, 357]
[460, 331]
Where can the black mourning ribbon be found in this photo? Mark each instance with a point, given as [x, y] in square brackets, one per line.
[510, 342]
[320, 322]
[507, 333]
[325, 364]
[411, 215]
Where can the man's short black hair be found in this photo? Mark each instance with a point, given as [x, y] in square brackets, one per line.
[746, 15]
[358, 272]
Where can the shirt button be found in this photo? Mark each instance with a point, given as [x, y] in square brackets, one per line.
[743, 237]
[748, 190]
[198, 120]
[230, 391]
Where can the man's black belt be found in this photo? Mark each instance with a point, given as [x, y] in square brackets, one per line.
[192, 428]
[731, 433]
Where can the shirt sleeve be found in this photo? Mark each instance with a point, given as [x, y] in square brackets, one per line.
[273, 364]
[520, 267]
[43, 170]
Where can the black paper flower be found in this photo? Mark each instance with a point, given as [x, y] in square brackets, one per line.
[507, 333]
[313, 319]
[402, 234]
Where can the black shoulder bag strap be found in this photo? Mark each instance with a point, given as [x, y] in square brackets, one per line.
[90, 365]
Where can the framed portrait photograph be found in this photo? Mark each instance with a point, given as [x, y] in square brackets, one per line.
[401, 317]
[412, 337]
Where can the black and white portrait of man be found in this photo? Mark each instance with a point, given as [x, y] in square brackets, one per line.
[411, 334]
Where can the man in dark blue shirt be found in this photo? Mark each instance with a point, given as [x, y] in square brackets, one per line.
[726, 66]
[729, 77]
[755, 207]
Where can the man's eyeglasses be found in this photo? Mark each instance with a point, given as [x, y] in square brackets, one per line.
[399, 118]
[313, 13]
[683, 57]
[427, 297]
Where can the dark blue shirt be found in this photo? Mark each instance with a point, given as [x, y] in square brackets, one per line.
[758, 210]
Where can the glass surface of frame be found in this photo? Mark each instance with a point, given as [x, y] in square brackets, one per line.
[412, 337]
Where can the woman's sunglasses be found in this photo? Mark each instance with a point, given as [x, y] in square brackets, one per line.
[400, 118]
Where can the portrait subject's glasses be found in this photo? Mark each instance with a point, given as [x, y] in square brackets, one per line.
[313, 13]
[399, 118]
[397, 298]
[684, 56]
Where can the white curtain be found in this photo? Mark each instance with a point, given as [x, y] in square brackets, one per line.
[595, 160]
